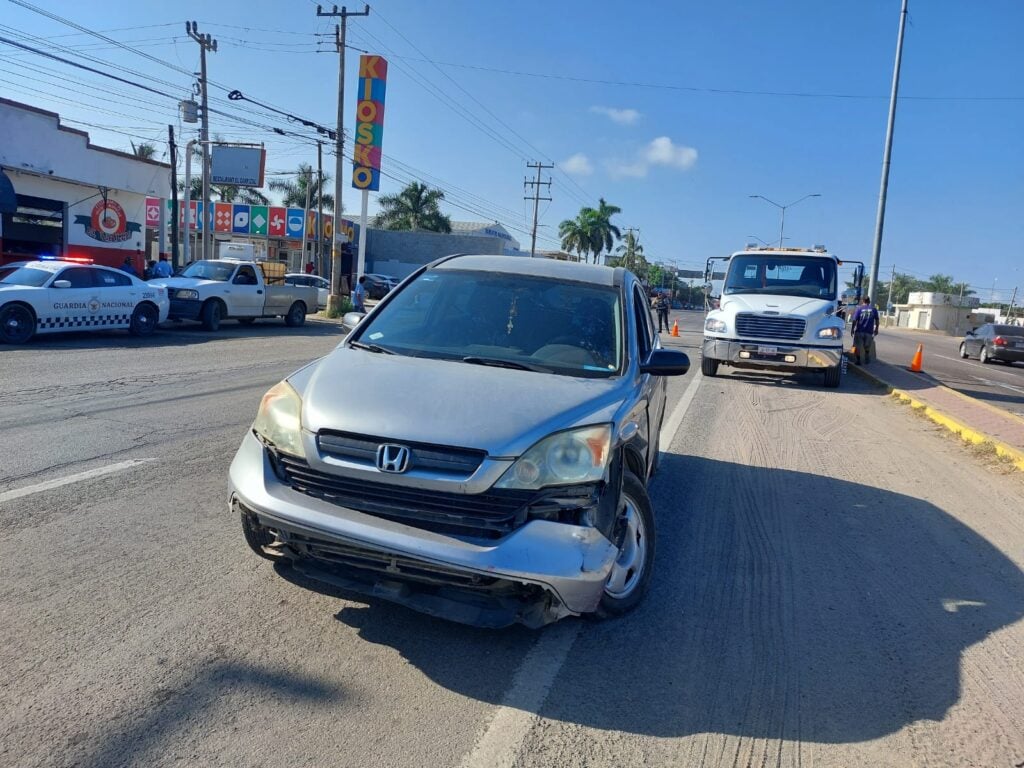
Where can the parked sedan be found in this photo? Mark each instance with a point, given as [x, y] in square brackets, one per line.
[487, 460]
[995, 342]
[379, 286]
[322, 285]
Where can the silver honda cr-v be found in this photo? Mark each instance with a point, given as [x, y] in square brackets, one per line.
[478, 448]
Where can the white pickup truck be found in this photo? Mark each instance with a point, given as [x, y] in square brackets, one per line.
[220, 289]
[777, 311]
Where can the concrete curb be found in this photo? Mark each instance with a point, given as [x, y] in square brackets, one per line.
[957, 427]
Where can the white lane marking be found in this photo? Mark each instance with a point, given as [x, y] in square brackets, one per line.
[18, 493]
[502, 739]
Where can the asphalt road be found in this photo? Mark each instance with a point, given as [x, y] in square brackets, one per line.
[1000, 384]
[836, 584]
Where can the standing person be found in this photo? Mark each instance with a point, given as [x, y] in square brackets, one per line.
[127, 266]
[359, 295]
[865, 328]
[310, 269]
[661, 307]
[163, 267]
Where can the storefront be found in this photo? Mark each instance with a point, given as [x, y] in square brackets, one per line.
[72, 198]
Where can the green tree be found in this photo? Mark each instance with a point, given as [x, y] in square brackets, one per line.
[144, 151]
[605, 233]
[417, 207]
[655, 275]
[579, 235]
[939, 284]
[293, 190]
[630, 255]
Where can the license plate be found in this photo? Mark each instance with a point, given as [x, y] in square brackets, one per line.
[1019, 344]
[767, 350]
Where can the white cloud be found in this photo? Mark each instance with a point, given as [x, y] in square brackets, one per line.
[660, 151]
[620, 116]
[578, 165]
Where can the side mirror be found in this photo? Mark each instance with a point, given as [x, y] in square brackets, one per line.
[970, 333]
[61, 283]
[351, 320]
[666, 362]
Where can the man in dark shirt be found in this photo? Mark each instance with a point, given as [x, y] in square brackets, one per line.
[865, 328]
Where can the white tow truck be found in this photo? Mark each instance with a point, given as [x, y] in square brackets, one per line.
[777, 311]
[239, 289]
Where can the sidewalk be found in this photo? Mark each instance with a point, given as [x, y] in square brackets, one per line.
[973, 420]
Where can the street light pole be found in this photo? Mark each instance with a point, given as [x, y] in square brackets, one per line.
[782, 225]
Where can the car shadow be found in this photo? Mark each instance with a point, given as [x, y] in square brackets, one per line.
[784, 605]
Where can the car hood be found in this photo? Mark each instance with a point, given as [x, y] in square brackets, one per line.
[184, 282]
[450, 403]
[799, 306]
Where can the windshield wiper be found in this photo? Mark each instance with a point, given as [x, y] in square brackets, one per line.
[371, 347]
[497, 362]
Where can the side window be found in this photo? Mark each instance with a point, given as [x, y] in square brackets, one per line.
[108, 278]
[246, 276]
[79, 277]
[644, 324]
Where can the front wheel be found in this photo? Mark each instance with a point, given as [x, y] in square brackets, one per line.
[708, 366]
[296, 315]
[144, 320]
[631, 572]
[833, 376]
[17, 324]
[963, 350]
[213, 313]
[985, 359]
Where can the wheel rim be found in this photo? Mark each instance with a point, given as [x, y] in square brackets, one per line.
[983, 355]
[296, 314]
[144, 319]
[16, 324]
[963, 351]
[629, 565]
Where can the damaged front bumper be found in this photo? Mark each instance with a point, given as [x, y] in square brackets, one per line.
[771, 354]
[536, 574]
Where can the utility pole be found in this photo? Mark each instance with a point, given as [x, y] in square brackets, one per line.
[174, 196]
[320, 207]
[206, 43]
[334, 301]
[888, 300]
[305, 213]
[536, 199]
[1013, 298]
[631, 251]
[876, 251]
[959, 306]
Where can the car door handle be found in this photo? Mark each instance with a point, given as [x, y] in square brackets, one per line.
[259, 291]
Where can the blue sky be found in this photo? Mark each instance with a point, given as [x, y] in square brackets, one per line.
[681, 161]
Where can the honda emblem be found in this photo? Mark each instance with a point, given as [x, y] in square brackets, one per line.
[392, 458]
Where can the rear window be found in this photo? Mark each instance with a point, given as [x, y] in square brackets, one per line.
[1008, 330]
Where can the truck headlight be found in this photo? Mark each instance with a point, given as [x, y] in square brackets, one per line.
[830, 333]
[576, 456]
[715, 326]
[277, 422]
[186, 293]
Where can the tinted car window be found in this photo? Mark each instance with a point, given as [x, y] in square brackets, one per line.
[1008, 330]
[563, 327]
[79, 277]
[246, 276]
[108, 278]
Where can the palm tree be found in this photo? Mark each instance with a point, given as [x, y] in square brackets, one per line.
[143, 151]
[295, 189]
[577, 234]
[605, 231]
[414, 208]
[631, 255]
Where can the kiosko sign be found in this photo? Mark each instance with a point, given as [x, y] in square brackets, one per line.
[373, 75]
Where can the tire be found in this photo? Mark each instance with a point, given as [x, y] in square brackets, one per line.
[631, 573]
[246, 320]
[17, 324]
[296, 315]
[144, 320]
[963, 350]
[212, 314]
[259, 539]
[983, 356]
[833, 376]
[709, 366]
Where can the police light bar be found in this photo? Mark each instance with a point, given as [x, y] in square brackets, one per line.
[75, 259]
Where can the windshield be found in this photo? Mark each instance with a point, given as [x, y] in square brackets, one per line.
[782, 275]
[27, 276]
[209, 270]
[502, 319]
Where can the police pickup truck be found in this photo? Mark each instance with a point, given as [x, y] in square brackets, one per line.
[221, 289]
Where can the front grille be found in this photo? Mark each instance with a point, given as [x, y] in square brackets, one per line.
[761, 327]
[490, 514]
[362, 449]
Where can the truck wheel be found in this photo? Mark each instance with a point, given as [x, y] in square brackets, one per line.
[296, 315]
[709, 366]
[17, 324]
[144, 320]
[833, 376]
[631, 572]
[213, 313]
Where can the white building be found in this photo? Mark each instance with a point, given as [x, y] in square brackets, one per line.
[484, 229]
[928, 311]
[73, 198]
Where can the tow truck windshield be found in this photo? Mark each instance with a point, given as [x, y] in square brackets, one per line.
[782, 275]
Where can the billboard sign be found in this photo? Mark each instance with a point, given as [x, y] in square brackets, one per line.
[237, 166]
[369, 135]
[152, 213]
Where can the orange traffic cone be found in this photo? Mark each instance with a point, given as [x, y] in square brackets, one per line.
[675, 327]
[915, 363]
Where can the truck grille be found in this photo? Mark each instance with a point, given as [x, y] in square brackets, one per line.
[362, 449]
[489, 515]
[761, 327]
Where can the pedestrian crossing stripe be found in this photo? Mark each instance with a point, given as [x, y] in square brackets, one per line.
[87, 321]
